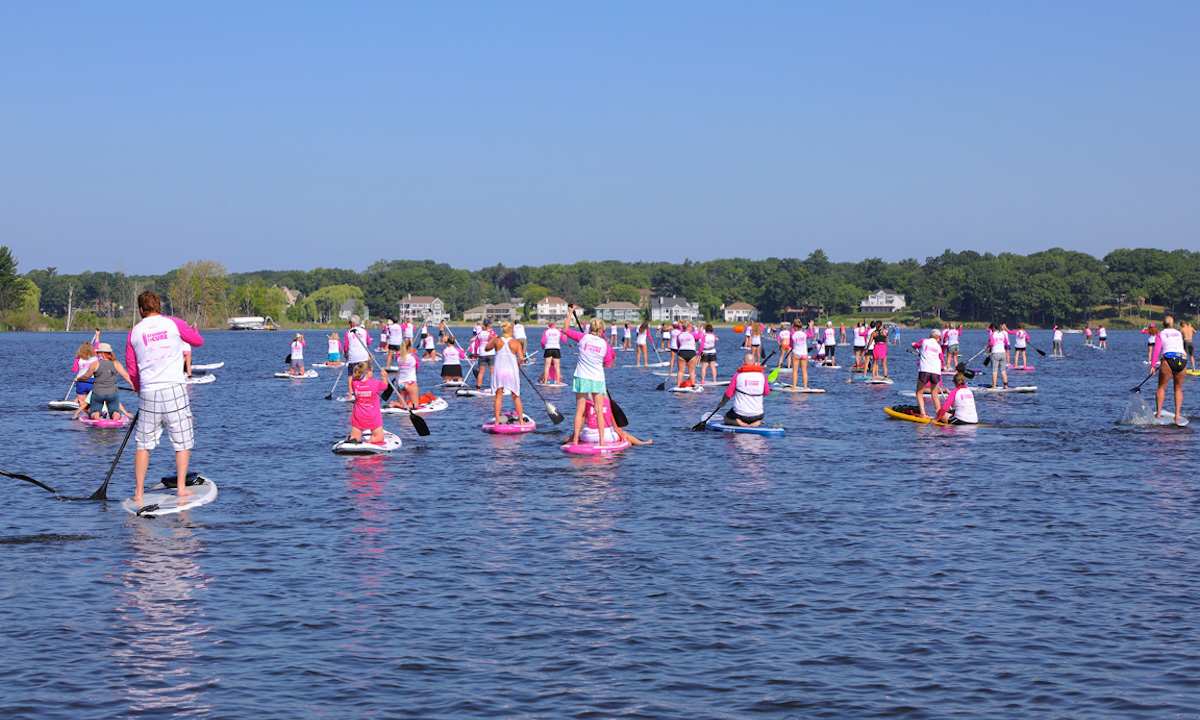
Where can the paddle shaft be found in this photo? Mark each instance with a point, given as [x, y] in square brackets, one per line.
[552, 412]
[102, 492]
[335, 382]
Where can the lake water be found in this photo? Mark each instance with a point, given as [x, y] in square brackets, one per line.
[857, 567]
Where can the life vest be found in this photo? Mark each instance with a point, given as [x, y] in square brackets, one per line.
[686, 383]
[751, 368]
[426, 398]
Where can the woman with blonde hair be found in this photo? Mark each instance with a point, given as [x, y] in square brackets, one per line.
[506, 373]
[595, 354]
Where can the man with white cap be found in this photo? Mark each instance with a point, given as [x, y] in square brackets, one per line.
[356, 348]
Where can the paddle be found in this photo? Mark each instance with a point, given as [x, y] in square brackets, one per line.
[26, 478]
[102, 492]
[335, 382]
[1138, 389]
[617, 413]
[288, 360]
[555, 416]
[417, 421]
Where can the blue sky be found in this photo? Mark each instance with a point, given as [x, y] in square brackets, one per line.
[142, 135]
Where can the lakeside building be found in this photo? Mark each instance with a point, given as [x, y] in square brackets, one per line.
[882, 301]
[670, 309]
[426, 307]
[740, 312]
[619, 311]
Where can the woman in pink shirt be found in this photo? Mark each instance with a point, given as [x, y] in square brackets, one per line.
[594, 355]
[366, 415]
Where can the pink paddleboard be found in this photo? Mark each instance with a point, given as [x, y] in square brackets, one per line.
[594, 449]
[511, 428]
[104, 422]
[1020, 367]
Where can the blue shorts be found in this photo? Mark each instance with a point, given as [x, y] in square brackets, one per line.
[580, 385]
[99, 401]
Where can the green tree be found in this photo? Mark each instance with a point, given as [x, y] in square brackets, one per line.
[328, 300]
[199, 293]
[12, 289]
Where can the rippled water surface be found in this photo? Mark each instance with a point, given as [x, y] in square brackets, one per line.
[857, 567]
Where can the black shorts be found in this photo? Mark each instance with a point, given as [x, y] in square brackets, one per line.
[731, 418]
[452, 371]
[928, 378]
[487, 360]
[1176, 364]
[687, 355]
[394, 348]
[708, 357]
[1188, 348]
[552, 353]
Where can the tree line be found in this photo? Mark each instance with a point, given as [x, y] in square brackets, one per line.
[1051, 287]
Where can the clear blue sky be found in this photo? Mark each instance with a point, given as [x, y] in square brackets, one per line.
[141, 135]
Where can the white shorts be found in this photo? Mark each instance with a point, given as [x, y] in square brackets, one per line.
[168, 406]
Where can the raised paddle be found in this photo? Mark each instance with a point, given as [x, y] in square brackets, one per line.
[335, 382]
[617, 413]
[555, 416]
[417, 421]
[102, 492]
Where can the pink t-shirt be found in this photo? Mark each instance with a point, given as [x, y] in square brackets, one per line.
[366, 415]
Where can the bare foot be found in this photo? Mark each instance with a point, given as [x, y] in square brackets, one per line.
[185, 493]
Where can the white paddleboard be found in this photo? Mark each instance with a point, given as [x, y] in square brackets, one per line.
[686, 390]
[436, 405]
[472, 392]
[161, 499]
[346, 447]
[209, 366]
[201, 380]
[308, 374]
[875, 381]
[64, 405]
[1001, 390]
[792, 389]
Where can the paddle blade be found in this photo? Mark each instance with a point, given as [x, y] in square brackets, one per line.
[617, 413]
[771, 376]
[387, 394]
[661, 386]
[987, 361]
[1039, 352]
[288, 360]
[555, 416]
[419, 424]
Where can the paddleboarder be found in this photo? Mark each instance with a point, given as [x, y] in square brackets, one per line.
[747, 388]
[154, 358]
[1169, 357]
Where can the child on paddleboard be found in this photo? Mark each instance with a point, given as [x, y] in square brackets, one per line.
[366, 416]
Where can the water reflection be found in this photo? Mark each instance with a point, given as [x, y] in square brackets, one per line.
[162, 620]
[367, 548]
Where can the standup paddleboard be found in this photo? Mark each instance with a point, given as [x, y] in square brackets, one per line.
[874, 381]
[1024, 368]
[990, 390]
[436, 405]
[209, 366]
[104, 422]
[720, 426]
[64, 405]
[664, 363]
[328, 365]
[552, 384]
[594, 449]
[472, 392]
[793, 389]
[909, 413]
[693, 389]
[201, 380]
[307, 375]
[348, 447]
[162, 499]
[1189, 372]
[510, 426]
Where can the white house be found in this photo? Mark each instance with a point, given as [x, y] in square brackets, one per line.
[740, 312]
[551, 308]
[347, 309]
[670, 309]
[425, 307]
[882, 301]
[618, 311]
